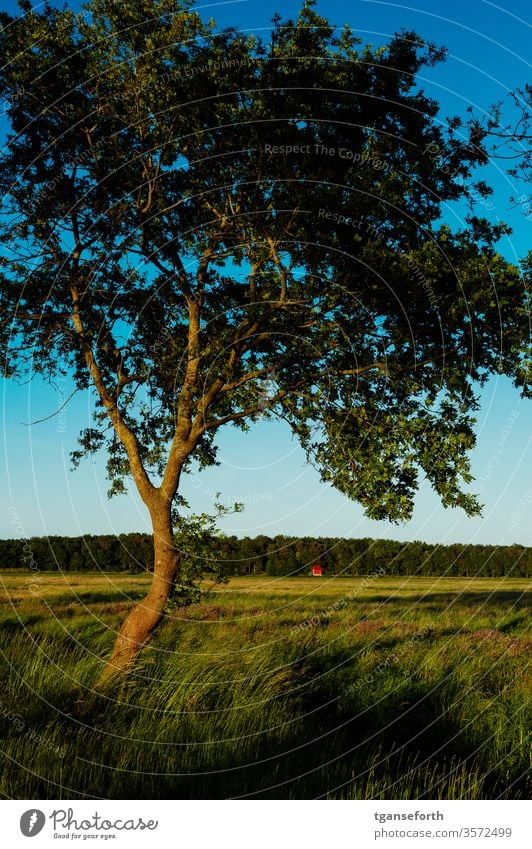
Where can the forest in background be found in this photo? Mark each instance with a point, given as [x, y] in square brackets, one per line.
[278, 556]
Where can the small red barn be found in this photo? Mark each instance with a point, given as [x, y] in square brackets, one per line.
[317, 570]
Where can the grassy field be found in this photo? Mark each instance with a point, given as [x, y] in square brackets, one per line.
[271, 688]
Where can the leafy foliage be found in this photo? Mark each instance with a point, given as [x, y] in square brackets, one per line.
[226, 556]
[197, 540]
[190, 214]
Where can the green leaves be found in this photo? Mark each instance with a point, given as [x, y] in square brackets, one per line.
[375, 457]
[197, 541]
[187, 211]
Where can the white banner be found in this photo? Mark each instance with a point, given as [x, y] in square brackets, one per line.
[266, 824]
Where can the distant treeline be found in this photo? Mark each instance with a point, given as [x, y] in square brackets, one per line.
[279, 555]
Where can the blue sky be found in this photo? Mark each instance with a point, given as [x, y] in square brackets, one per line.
[489, 46]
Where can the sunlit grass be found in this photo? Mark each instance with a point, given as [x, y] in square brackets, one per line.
[288, 688]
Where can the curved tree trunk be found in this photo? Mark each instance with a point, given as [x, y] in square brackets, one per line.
[146, 615]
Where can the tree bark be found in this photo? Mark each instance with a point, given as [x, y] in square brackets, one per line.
[146, 615]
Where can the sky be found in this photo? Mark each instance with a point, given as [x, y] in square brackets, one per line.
[489, 46]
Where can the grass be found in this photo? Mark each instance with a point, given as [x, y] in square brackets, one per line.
[404, 688]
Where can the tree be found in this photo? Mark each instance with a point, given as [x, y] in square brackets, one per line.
[208, 228]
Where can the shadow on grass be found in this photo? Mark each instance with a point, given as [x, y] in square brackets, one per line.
[406, 745]
[401, 742]
[504, 597]
[95, 597]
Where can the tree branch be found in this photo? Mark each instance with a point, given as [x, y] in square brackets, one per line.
[124, 433]
[51, 416]
[182, 443]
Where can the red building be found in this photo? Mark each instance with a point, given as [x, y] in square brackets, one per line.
[317, 570]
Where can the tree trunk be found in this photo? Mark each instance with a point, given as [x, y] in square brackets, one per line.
[146, 615]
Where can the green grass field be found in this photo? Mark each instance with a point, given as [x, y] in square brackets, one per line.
[296, 688]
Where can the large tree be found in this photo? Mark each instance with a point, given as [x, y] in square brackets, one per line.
[208, 228]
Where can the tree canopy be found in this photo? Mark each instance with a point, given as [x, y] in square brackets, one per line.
[194, 212]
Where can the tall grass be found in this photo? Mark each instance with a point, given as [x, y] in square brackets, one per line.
[302, 688]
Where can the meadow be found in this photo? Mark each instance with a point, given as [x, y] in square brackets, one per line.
[291, 688]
